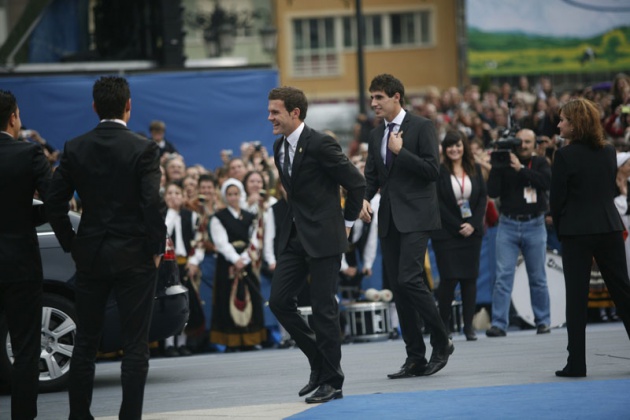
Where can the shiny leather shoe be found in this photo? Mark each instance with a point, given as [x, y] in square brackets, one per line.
[308, 388]
[311, 386]
[567, 373]
[495, 332]
[439, 359]
[470, 335]
[324, 394]
[408, 370]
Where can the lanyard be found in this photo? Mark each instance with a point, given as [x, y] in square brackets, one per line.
[462, 184]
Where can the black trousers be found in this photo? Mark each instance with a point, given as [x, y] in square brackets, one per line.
[577, 256]
[446, 294]
[134, 290]
[322, 343]
[403, 258]
[22, 302]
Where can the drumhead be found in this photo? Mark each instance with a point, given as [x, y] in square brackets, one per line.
[555, 283]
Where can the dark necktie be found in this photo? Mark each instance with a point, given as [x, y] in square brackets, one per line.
[286, 163]
[389, 156]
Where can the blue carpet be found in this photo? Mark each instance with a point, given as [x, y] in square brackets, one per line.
[577, 399]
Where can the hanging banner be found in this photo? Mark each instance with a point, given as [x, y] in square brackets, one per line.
[514, 37]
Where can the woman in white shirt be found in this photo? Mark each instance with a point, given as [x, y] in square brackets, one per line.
[237, 316]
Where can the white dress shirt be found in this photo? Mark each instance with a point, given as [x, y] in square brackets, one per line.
[398, 121]
[173, 223]
[292, 139]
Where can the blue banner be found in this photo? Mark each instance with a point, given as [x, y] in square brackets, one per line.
[204, 111]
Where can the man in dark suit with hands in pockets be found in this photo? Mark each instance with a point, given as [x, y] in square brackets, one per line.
[23, 169]
[118, 245]
[313, 236]
[403, 162]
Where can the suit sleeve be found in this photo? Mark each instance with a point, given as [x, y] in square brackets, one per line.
[450, 222]
[41, 175]
[149, 174]
[371, 173]
[558, 193]
[56, 204]
[426, 163]
[339, 167]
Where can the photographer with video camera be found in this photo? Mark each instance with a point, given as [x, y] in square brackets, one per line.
[521, 181]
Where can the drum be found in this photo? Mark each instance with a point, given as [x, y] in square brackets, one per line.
[555, 283]
[368, 321]
[598, 296]
[307, 313]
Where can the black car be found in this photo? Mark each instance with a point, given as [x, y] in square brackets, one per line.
[170, 311]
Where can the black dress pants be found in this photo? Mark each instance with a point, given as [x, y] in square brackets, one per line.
[134, 290]
[403, 257]
[22, 302]
[577, 256]
[322, 343]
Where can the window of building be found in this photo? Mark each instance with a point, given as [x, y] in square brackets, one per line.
[318, 42]
[314, 47]
[372, 32]
[410, 28]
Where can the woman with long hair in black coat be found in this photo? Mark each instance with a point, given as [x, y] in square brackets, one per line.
[462, 196]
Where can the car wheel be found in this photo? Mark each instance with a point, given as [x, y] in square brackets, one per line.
[58, 339]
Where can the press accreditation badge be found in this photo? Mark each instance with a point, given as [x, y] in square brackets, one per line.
[530, 195]
[464, 208]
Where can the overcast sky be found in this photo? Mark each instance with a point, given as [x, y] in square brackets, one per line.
[546, 17]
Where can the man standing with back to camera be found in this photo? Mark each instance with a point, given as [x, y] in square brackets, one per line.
[23, 169]
[312, 238]
[521, 185]
[403, 162]
[118, 245]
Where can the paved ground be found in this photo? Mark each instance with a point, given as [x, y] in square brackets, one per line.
[264, 384]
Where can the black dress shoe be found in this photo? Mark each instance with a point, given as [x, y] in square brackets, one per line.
[408, 370]
[308, 388]
[567, 373]
[313, 383]
[470, 334]
[439, 359]
[324, 394]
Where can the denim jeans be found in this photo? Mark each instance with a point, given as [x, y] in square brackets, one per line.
[530, 238]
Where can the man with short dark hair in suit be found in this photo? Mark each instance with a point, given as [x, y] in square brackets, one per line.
[403, 163]
[119, 242]
[312, 168]
[23, 169]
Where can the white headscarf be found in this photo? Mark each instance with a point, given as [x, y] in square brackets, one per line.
[228, 183]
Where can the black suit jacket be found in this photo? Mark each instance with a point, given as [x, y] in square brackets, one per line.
[318, 169]
[583, 190]
[117, 176]
[450, 213]
[23, 169]
[408, 191]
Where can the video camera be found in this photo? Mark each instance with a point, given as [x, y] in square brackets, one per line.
[507, 143]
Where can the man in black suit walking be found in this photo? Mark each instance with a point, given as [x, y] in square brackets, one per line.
[403, 162]
[23, 169]
[313, 237]
[118, 245]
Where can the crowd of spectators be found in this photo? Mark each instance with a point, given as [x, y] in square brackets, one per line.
[482, 115]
